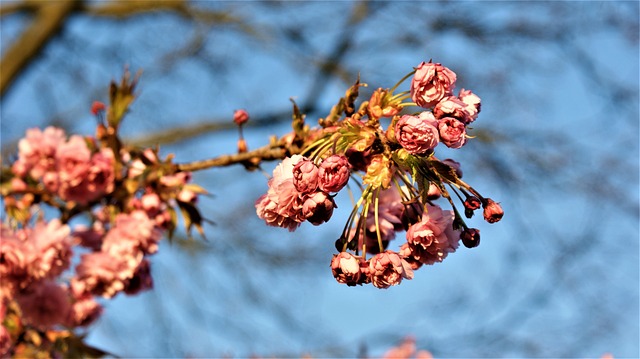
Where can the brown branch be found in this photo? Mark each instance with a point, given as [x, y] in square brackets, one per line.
[266, 153]
[48, 20]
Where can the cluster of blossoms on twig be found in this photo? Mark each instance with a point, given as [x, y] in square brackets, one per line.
[395, 169]
[125, 198]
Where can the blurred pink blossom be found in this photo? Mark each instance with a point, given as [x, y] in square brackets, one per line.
[83, 312]
[36, 151]
[44, 304]
[101, 274]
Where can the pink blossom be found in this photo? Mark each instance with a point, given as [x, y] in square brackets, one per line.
[100, 273]
[82, 177]
[472, 101]
[83, 312]
[407, 350]
[407, 254]
[433, 238]
[52, 246]
[305, 176]
[281, 206]
[431, 83]
[132, 232]
[44, 304]
[36, 152]
[333, 173]
[416, 134]
[317, 207]
[18, 185]
[452, 132]
[452, 107]
[346, 269]
[387, 269]
[240, 117]
[15, 257]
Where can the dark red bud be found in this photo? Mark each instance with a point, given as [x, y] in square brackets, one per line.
[470, 237]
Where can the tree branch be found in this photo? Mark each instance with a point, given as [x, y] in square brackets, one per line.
[49, 18]
[266, 153]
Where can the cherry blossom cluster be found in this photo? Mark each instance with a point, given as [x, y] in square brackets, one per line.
[396, 171]
[56, 275]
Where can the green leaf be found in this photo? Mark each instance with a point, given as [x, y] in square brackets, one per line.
[444, 171]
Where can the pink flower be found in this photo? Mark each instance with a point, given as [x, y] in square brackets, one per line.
[452, 107]
[44, 304]
[15, 257]
[492, 211]
[433, 238]
[52, 249]
[240, 117]
[132, 232]
[84, 311]
[37, 150]
[281, 206]
[417, 134]
[431, 83]
[100, 273]
[333, 173]
[387, 269]
[317, 207]
[407, 350]
[82, 177]
[452, 132]
[472, 103]
[305, 176]
[346, 269]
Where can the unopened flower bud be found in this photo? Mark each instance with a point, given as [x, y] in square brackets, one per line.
[334, 173]
[240, 117]
[492, 211]
[470, 237]
[97, 108]
[472, 203]
[434, 192]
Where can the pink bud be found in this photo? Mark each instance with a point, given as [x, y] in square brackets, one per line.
[240, 117]
[97, 107]
[492, 211]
